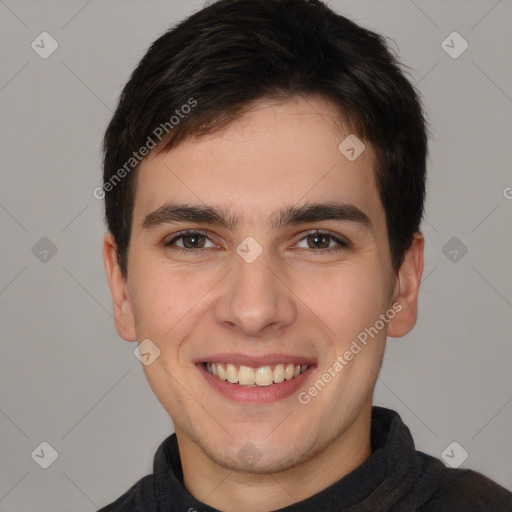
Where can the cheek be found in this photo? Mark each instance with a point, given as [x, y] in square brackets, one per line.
[163, 299]
[174, 303]
[346, 299]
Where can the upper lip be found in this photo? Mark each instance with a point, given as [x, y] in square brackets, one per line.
[255, 361]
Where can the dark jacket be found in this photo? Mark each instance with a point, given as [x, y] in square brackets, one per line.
[395, 478]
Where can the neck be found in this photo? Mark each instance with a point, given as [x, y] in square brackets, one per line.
[232, 491]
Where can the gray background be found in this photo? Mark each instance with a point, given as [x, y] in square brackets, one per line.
[67, 378]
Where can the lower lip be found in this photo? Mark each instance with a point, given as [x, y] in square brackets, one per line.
[255, 395]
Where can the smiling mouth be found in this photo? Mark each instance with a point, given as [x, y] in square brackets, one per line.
[261, 376]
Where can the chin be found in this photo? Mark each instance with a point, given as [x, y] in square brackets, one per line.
[250, 459]
[257, 454]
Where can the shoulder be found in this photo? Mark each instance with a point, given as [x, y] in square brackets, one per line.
[452, 490]
[139, 497]
[151, 491]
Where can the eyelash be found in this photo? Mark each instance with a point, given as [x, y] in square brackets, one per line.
[342, 244]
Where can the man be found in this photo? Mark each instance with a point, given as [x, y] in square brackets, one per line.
[264, 180]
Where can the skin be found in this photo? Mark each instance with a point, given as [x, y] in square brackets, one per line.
[295, 298]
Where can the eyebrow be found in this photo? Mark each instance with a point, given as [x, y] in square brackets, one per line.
[285, 216]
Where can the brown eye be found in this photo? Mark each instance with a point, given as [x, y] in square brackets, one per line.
[322, 240]
[193, 241]
[318, 241]
[189, 241]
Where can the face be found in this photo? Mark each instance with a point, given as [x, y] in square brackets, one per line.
[258, 261]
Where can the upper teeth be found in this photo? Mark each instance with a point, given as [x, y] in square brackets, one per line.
[261, 376]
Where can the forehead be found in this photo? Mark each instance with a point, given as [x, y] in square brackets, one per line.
[291, 153]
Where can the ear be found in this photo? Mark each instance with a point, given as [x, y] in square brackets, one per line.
[123, 312]
[406, 291]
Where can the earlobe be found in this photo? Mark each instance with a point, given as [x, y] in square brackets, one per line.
[123, 313]
[407, 289]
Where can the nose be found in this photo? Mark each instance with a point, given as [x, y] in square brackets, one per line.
[255, 300]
